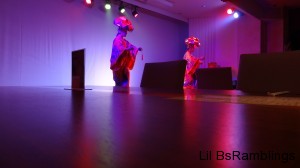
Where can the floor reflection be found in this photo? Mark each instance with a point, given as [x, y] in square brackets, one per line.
[44, 127]
[82, 145]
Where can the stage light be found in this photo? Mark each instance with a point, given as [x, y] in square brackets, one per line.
[236, 15]
[229, 11]
[107, 5]
[134, 12]
[88, 2]
[121, 7]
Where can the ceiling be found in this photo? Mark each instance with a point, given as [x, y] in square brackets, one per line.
[185, 9]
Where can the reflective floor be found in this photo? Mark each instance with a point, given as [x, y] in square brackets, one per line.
[106, 127]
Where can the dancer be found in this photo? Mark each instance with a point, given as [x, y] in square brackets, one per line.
[123, 53]
[193, 62]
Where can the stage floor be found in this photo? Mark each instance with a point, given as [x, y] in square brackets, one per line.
[112, 127]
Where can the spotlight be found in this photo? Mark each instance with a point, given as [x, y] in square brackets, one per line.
[229, 11]
[107, 5]
[89, 2]
[135, 13]
[236, 15]
[121, 7]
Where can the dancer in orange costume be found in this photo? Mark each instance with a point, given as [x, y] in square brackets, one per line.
[123, 53]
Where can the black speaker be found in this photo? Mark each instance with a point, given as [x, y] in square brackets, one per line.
[269, 72]
[78, 69]
[164, 75]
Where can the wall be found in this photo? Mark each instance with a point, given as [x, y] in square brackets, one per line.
[224, 39]
[37, 38]
[275, 35]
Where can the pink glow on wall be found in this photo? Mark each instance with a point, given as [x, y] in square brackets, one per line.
[224, 38]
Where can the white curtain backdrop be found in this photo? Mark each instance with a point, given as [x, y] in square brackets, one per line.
[38, 36]
[223, 38]
[205, 30]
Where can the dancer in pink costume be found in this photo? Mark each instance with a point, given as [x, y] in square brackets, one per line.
[123, 53]
[193, 62]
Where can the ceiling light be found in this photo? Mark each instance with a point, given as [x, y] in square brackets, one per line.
[89, 2]
[121, 7]
[107, 5]
[134, 12]
[229, 11]
[236, 14]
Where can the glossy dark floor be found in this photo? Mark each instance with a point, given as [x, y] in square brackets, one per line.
[49, 127]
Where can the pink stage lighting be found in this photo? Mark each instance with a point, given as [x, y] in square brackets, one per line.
[89, 2]
[229, 11]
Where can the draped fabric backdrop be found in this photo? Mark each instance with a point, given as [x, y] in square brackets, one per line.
[205, 30]
[37, 38]
[224, 38]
